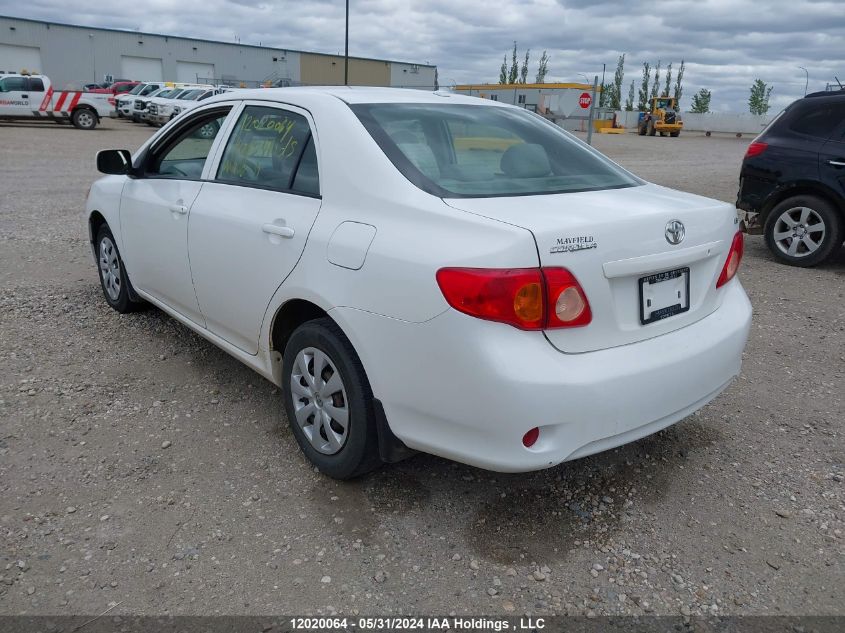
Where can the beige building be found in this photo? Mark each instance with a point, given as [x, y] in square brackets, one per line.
[315, 68]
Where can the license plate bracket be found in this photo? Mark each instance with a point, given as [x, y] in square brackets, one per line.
[664, 294]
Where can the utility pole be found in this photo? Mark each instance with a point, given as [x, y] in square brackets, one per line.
[346, 53]
[592, 109]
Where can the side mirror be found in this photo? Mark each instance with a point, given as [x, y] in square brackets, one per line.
[114, 161]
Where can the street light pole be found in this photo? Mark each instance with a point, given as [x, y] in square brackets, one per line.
[346, 53]
[806, 79]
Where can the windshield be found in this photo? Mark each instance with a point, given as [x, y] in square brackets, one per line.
[481, 151]
[190, 94]
[137, 89]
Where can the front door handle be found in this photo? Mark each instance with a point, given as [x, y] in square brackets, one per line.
[836, 163]
[179, 208]
[277, 229]
[24, 96]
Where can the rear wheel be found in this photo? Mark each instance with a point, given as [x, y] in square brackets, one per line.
[651, 129]
[328, 401]
[84, 119]
[641, 128]
[803, 230]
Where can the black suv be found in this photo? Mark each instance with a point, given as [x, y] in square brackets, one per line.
[792, 183]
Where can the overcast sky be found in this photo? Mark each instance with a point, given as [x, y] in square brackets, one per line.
[726, 43]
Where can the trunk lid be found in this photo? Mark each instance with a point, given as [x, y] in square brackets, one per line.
[612, 239]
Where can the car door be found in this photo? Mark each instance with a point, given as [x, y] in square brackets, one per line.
[832, 154]
[155, 207]
[14, 97]
[249, 224]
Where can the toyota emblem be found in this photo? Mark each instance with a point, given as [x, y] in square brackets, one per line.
[675, 231]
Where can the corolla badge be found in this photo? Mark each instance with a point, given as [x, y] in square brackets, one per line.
[675, 231]
[574, 243]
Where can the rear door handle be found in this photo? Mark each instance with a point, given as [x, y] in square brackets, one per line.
[277, 229]
[836, 163]
[179, 208]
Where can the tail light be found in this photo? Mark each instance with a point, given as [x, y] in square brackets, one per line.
[755, 149]
[526, 298]
[733, 260]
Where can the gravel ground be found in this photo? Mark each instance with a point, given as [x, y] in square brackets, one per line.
[140, 465]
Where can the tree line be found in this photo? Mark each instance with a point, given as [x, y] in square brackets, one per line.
[650, 86]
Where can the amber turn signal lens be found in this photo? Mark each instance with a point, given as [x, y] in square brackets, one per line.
[528, 302]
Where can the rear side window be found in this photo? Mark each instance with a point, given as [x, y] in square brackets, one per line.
[463, 150]
[265, 149]
[12, 84]
[36, 84]
[820, 121]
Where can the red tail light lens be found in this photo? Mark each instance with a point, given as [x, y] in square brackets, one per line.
[526, 298]
[733, 260]
[755, 149]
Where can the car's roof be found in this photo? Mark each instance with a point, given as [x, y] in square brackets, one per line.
[354, 94]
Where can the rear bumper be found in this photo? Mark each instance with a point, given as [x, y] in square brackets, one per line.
[469, 390]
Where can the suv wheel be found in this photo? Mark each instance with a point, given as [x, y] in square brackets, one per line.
[803, 230]
[328, 401]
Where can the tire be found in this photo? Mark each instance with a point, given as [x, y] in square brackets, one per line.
[674, 134]
[651, 129]
[798, 215]
[352, 451]
[641, 129]
[84, 119]
[115, 284]
[209, 130]
[663, 134]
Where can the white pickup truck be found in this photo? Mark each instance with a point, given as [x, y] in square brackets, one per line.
[32, 97]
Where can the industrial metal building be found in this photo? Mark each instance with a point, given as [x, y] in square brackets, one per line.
[73, 55]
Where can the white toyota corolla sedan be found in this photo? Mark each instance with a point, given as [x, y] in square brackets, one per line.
[425, 271]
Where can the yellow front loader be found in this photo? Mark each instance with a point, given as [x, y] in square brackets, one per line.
[664, 118]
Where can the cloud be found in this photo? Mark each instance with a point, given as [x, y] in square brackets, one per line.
[726, 43]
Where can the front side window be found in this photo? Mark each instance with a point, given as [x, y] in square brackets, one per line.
[184, 156]
[190, 94]
[265, 149]
[123, 88]
[475, 151]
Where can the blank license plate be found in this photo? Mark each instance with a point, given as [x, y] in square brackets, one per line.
[663, 295]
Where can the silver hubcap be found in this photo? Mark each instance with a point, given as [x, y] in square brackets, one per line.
[799, 232]
[110, 268]
[319, 400]
[207, 131]
[84, 119]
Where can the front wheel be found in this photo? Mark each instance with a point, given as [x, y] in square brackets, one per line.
[651, 129]
[674, 134]
[803, 230]
[328, 401]
[113, 279]
[84, 119]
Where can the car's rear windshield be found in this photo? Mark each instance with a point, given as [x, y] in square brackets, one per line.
[463, 150]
